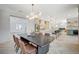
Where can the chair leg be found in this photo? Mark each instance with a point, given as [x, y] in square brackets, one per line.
[15, 46]
[16, 49]
[19, 51]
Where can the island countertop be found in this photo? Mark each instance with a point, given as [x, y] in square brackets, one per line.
[39, 40]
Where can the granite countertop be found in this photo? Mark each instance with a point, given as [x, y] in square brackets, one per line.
[37, 39]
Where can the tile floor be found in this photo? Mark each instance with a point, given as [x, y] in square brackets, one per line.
[64, 44]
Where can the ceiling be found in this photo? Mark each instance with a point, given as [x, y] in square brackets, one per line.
[46, 9]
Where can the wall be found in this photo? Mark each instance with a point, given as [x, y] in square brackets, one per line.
[4, 26]
[5, 34]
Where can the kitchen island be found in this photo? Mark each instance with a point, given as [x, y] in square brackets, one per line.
[41, 41]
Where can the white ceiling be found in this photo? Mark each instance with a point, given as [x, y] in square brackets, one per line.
[46, 9]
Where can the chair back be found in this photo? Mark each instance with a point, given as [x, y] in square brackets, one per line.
[16, 40]
[22, 46]
[27, 49]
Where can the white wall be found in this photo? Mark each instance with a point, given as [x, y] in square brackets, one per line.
[5, 24]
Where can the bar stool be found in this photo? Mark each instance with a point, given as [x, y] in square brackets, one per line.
[27, 48]
[17, 46]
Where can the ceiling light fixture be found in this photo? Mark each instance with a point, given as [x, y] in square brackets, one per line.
[34, 14]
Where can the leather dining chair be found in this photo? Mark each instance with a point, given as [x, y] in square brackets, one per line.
[27, 48]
